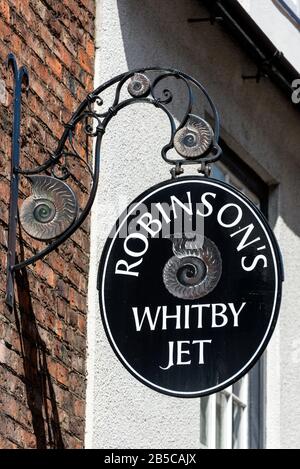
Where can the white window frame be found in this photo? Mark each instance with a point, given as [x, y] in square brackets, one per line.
[229, 399]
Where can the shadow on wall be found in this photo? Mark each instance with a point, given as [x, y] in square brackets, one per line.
[39, 389]
[154, 36]
[158, 34]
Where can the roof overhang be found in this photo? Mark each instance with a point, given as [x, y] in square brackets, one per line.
[270, 61]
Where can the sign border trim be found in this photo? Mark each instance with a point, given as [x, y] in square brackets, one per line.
[277, 296]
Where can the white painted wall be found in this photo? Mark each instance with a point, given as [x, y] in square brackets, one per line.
[261, 126]
[277, 25]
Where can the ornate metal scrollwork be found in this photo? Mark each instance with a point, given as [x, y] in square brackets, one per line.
[43, 215]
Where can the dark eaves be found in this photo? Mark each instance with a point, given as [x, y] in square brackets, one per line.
[270, 62]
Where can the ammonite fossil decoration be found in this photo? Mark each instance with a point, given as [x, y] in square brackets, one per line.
[139, 85]
[194, 139]
[193, 272]
[50, 210]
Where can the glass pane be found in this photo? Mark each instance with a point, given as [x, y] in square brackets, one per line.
[221, 402]
[204, 401]
[236, 388]
[218, 173]
[236, 425]
[238, 184]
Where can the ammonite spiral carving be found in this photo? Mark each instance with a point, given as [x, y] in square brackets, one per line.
[193, 272]
[139, 85]
[194, 139]
[50, 210]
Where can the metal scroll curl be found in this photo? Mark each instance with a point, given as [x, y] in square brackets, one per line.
[51, 213]
[193, 138]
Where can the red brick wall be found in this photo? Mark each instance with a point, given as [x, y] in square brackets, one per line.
[43, 341]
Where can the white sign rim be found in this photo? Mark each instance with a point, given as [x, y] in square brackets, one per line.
[252, 359]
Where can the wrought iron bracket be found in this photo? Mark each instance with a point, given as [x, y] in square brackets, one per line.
[51, 213]
[212, 19]
[21, 77]
[263, 68]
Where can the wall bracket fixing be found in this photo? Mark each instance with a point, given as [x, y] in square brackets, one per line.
[51, 213]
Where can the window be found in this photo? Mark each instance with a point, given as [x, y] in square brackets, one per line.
[234, 418]
[224, 418]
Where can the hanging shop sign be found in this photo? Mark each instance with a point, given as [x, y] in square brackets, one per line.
[190, 277]
[190, 286]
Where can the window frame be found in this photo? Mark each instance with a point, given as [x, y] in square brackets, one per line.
[247, 176]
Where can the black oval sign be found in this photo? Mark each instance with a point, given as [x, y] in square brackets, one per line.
[190, 286]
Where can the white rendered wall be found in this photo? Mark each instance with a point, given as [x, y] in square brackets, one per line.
[277, 25]
[261, 126]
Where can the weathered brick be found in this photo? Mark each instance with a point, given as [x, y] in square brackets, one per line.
[11, 358]
[16, 410]
[43, 342]
[13, 384]
[5, 10]
[54, 64]
[9, 337]
[72, 442]
[84, 59]
[78, 363]
[39, 8]
[58, 371]
[4, 30]
[46, 35]
[89, 5]
[61, 307]
[81, 323]
[21, 5]
[74, 426]
[68, 41]
[77, 300]
[16, 433]
[5, 443]
[79, 408]
[62, 53]
[44, 271]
